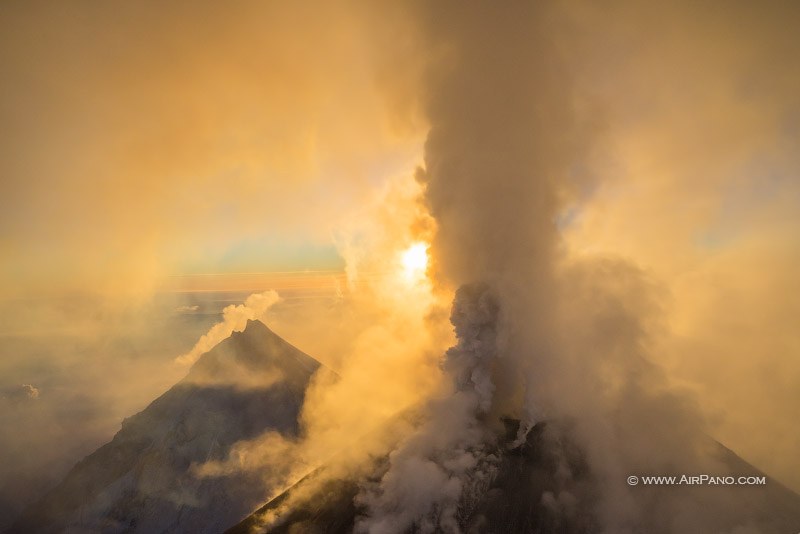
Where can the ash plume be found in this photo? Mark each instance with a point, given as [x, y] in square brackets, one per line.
[540, 334]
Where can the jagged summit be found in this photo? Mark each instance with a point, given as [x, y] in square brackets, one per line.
[145, 480]
[254, 356]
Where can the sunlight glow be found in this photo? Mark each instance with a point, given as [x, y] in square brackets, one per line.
[415, 261]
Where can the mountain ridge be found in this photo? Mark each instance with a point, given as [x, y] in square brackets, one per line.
[141, 480]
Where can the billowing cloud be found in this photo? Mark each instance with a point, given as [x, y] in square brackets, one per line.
[441, 462]
[546, 127]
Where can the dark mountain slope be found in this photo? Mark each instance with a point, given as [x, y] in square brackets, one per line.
[142, 481]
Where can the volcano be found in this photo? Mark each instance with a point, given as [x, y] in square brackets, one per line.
[143, 479]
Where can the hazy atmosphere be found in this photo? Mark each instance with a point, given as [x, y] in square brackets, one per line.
[548, 211]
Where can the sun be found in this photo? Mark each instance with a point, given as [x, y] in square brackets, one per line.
[415, 261]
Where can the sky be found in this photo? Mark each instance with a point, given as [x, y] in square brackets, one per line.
[228, 136]
[160, 162]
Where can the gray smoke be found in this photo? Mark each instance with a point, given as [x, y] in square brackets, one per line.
[497, 160]
[539, 335]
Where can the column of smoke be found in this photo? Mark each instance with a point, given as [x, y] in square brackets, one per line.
[448, 456]
[539, 336]
[234, 319]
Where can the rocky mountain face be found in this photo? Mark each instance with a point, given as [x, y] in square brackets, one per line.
[530, 493]
[145, 481]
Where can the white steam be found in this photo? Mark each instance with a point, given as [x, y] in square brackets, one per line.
[234, 319]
